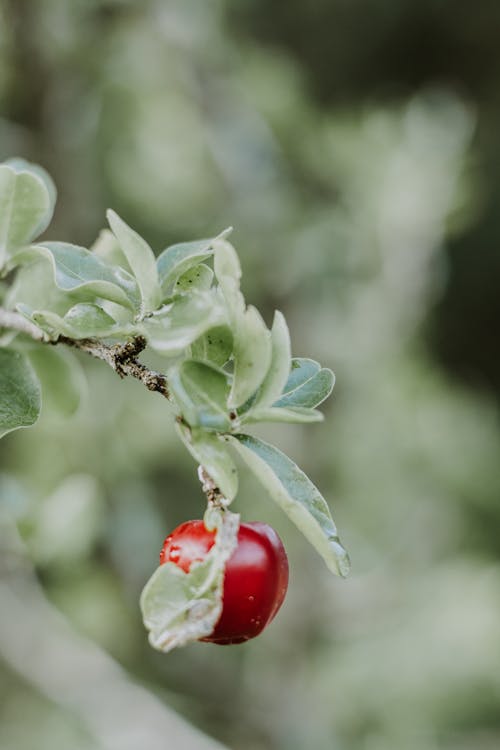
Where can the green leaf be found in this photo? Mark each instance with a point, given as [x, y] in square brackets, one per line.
[226, 261]
[175, 260]
[215, 346]
[279, 369]
[82, 321]
[297, 496]
[20, 399]
[106, 248]
[296, 415]
[213, 454]
[201, 392]
[308, 385]
[183, 321]
[141, 260]
[21, 165]
[179, 607]
[87, 320]
[61, 377]
[199, 277]
[25, 209]
[252, 356]
[85, 275]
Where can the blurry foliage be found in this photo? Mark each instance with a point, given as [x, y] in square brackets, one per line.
[306, 129]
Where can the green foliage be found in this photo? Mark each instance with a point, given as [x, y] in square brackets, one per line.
[224, 369]
[297, 496]
[20, 400]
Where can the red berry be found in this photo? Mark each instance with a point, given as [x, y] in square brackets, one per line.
[255, 580]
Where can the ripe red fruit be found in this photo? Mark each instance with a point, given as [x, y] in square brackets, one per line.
[255, 580]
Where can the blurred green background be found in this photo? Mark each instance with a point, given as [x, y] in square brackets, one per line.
[354, 147]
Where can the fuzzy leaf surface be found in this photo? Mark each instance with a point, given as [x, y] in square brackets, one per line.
[297, 496]
[25, 209]
[141, 260]
[201, 392]
[20, 398]
[175, 260]
[308, 384]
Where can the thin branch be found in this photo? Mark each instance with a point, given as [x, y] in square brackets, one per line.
[122, 358]
[17, 322]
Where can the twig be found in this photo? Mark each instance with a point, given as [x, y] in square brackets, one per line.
[17, 322]
[122, 358]
[215, 497]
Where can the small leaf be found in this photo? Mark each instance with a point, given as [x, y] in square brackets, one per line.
[21, 165]
[106, 248]
[178, 607]
[226, 261]
[175, 260]
[25, 209]
[279, 369]
[84, 275]
[87, 320]
[183, 321]
[215, 346]
[308, 385]
[62, 379]
[212, 453]
[297, 496]
[199, 277]
[201, 392]
[252, 356]
[80, 322]
[296, 415]
[20, 399]
[141, 260]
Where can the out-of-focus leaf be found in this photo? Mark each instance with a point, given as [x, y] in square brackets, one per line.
[297, 496]
[213, 454]
[308, 385]
[85, 275]
[68, 521]
[199, 277]
[21, 165]
[215, 346]
[25, 209]
[179, 607]
[228, 273]
[141, 260]
[201, 392]
[20, 399]
[61, 377]
[279, 369]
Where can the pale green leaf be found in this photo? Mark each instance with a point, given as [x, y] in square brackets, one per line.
[181, 322]
[61, 377]
[21, 165]
[252, 356]
[88, 320]
[215, 346]
[297, 415]
[201, 392]
[213, 454]
[279, 369]
[141, 260]
[297, 496]
[199, 277]
[226, 261]
[25, 209]
[20, 399]
[106, 248]
[308, 385]
[85, 275]
[179, 607]
[175, 260]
